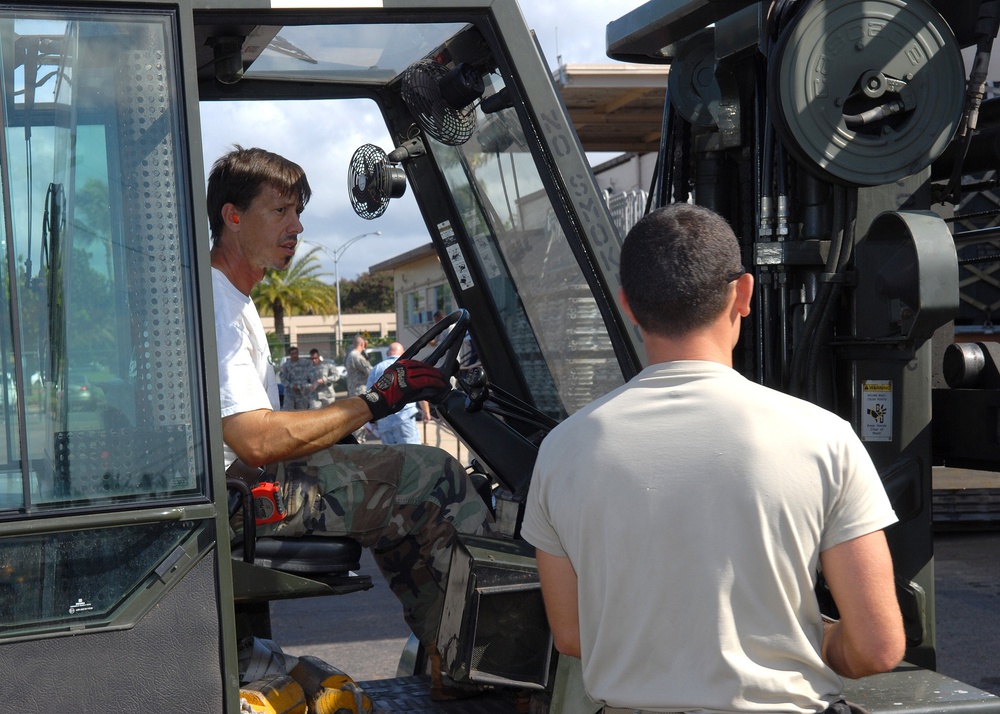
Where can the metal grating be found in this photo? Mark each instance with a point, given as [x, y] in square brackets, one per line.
[626, 208]
[123, 462]
[152, 222]
[512, 640]
[956, 508]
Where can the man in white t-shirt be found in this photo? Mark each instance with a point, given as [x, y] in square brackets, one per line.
[405, 503]
[680, 520]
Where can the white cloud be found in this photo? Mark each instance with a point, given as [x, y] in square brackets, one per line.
[322, 136]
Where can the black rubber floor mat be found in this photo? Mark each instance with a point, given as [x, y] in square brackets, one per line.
[409, 695]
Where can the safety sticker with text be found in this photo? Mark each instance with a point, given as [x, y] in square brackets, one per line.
[455, 256]
[876, 410]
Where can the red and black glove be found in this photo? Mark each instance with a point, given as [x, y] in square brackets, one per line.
[404, 381]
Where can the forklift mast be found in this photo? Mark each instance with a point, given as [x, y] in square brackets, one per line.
[833, 136]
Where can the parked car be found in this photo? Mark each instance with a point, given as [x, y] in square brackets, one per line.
[80, 393]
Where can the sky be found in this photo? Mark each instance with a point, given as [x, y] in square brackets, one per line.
[322, 136]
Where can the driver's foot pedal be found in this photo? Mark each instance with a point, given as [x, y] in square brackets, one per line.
[444, 689]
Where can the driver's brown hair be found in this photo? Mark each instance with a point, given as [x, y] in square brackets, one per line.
[238, 176]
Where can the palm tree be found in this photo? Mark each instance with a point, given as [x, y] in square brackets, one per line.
[296, 290]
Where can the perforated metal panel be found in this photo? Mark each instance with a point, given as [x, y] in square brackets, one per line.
[153, 216]
[123, 462]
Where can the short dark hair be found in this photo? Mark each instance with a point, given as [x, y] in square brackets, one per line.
[676, 266]
[314, 352]
[239, 176]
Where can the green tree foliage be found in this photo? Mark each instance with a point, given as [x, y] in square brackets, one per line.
[93, 225]
[296, 291]
[368, 293]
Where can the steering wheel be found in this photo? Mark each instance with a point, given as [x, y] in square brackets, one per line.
[447, 347]
[482, 414]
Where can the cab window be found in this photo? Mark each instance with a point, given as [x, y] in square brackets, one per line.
[96, 330]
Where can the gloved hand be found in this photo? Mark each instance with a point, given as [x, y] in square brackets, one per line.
[404, 381]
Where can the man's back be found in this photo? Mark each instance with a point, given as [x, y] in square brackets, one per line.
[720, 495]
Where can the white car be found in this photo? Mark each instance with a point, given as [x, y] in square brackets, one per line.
[10, 388]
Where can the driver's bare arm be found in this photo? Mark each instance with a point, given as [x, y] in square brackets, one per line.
[263, 436]
[559, 584]
[869, 636]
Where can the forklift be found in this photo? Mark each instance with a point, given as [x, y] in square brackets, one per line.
[120, 587]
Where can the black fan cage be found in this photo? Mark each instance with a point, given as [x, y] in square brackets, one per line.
[368, 198]
[422, 93]
[372, 181]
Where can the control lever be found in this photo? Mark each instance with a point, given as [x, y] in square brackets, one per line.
[477, 387]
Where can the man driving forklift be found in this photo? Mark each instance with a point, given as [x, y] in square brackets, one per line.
[405, 503]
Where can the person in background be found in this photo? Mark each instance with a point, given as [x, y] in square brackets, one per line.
[680, 520]
[358, 368]
[437, 317]
[401, 427]
[406, 505]
[322, 378]
[295, 377]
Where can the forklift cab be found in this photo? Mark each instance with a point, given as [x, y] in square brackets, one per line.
[116, 571]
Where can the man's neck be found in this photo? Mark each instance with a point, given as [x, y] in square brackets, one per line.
[241, 274]
[706, 345]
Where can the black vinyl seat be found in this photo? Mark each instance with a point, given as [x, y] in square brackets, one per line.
[308, 555]
[324, 559]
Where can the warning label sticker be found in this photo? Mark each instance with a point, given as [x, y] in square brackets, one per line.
[455, 256]
[876, 410]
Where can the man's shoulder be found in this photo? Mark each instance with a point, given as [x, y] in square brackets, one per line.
[588, 417]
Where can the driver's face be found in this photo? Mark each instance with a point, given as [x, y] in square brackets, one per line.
[269, 229]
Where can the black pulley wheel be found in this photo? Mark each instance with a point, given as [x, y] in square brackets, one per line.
[866, 92]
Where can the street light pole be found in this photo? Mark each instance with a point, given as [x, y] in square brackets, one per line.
[337, 253]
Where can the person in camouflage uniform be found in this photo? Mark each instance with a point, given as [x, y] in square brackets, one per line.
[298, 383]
[358, 368]
[406, 503]
[323, 378]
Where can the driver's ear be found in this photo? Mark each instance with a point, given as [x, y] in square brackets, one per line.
[625, 306]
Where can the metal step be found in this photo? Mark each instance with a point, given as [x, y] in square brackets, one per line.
[965, 498]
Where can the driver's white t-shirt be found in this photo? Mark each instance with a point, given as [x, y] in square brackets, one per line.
[246, 375]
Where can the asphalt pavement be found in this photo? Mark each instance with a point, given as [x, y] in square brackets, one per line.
[967, 596]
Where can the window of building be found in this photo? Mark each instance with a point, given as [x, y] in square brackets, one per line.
[443, 300]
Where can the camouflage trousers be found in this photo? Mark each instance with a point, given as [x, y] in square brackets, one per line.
[295, 401]
[405, 503]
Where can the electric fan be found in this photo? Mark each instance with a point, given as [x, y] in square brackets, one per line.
[372, 181]
[442, 99]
